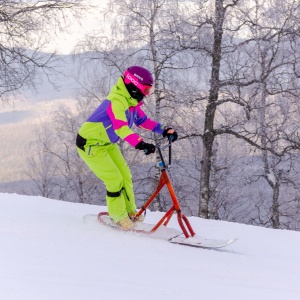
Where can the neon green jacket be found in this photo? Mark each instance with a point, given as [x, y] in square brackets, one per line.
[114, 118]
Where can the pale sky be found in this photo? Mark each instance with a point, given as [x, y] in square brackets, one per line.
[92, 21]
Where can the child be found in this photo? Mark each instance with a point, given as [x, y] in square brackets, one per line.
[112, 120]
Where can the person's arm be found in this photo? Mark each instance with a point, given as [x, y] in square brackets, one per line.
[116, 113]
[148, 124]
[144, 122]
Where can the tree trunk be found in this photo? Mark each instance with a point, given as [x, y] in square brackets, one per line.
[209, 135]
[275, 207]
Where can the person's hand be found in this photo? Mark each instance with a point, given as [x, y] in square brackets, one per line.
[171, 134]
[148, 148]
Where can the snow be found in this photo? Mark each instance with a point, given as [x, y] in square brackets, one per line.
[271, 178]
[49, 252]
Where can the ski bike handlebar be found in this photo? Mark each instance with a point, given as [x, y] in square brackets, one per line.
[162, 164]
[170, 139]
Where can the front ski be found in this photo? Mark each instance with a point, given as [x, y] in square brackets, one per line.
[202, 242]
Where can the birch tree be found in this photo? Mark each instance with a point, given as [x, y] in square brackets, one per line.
[275, 57]
[140, 36]
[225, 33]
[27, 27]
[56, 168]
[42, 168]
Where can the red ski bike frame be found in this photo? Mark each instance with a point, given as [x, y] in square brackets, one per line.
[165, 181]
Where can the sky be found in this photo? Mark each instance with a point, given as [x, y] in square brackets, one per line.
[57, 250]
[92, 21]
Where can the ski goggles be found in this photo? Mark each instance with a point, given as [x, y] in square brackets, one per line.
[129, 78]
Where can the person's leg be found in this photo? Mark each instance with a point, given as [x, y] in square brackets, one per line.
[128, 192]
[104, 167]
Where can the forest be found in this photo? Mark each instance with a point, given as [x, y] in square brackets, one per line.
[226, 77]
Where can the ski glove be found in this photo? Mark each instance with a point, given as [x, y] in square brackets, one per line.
[148, 148]
[171, 134]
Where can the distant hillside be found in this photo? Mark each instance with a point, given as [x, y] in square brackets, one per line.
[19, 119]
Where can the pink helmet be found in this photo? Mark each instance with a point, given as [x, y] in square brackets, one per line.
[139, 77]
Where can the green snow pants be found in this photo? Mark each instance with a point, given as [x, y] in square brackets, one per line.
[108, 164]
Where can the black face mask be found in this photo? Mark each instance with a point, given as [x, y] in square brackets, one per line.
[135, 92]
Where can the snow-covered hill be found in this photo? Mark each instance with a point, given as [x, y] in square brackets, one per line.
[49, 252]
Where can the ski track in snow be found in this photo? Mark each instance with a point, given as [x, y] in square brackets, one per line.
[50, 251]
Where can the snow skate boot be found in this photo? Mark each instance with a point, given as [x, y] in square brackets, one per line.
[126, 223]
[133, 214]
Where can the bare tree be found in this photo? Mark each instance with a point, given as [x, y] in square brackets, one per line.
[140, 36]
[27, 27]
[228, 75]
[42, 167]
[274, 57]
[229, 33]
[56, 168]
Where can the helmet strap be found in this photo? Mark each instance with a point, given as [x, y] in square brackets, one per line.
[134, 92]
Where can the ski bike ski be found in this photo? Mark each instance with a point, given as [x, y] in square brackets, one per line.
[167, 233]
[186, 236]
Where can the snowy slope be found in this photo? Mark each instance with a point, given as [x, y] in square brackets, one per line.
[48, 252]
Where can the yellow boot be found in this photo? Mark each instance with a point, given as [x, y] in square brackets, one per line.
[126, 223]
[132, 215]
